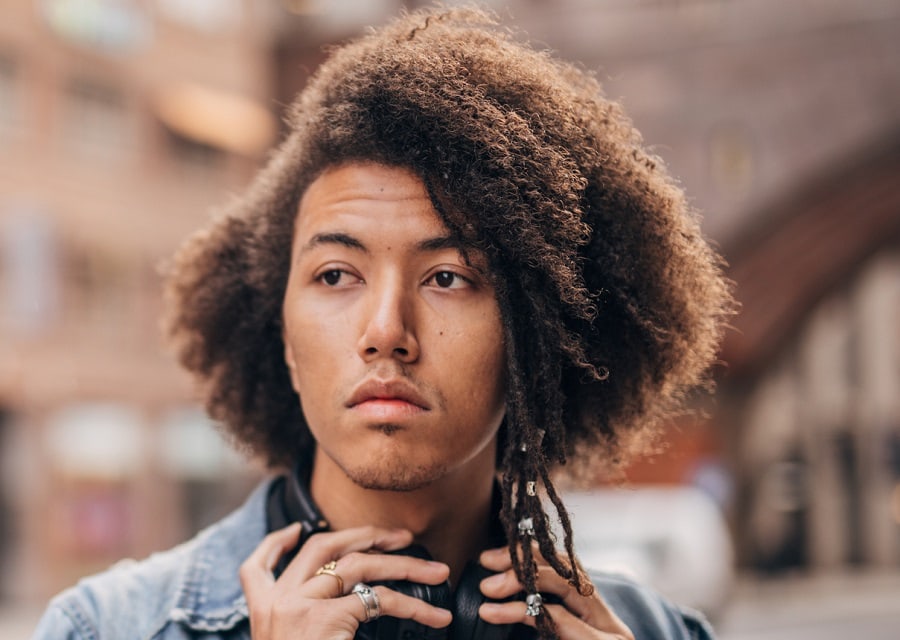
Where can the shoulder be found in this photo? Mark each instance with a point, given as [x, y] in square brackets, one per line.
[194, 585]
[127, 597]
[648, 614]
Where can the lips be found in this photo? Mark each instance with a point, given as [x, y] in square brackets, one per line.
[396, 392]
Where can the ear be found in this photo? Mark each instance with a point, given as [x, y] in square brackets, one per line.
[291, 361]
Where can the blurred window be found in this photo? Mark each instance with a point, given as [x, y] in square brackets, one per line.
[102, 288]
[96, 123]
[194, 157]
[113, 26]
[9, 94]
[191, 447]
[29, 274]
[212, 477]
[95, 450]
[95, 441]
[210, 16]
[6, 515]
[731, 157]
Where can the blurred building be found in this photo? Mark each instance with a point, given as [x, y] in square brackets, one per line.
[782, 120]
[122, 123]
[813, 390]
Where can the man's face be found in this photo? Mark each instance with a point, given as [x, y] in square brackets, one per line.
[394, 343]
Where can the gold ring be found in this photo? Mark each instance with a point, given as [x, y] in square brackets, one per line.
[328, 569]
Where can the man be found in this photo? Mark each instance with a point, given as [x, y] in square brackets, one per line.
[459, 272]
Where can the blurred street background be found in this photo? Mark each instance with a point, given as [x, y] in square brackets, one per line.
[125, 123]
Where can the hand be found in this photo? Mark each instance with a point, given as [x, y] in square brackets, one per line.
[301, 604]
[577, 618]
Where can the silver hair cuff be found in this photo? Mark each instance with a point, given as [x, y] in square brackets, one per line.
[533, 603]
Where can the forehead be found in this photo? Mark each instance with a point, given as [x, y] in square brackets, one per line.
[363, 194]
[364, 176]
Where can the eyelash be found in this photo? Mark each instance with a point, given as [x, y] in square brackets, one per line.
[323, 277]
[454, 274]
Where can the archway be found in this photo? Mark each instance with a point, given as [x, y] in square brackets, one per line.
[811, 364]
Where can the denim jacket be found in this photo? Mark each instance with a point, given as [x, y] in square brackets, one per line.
[192, 591]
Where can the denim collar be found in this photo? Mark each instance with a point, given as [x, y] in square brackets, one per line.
[209, 597]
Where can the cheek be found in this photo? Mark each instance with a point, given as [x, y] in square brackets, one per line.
[493, 376]
[314, 333]
[495, 352]
[315, 382]
[310, 345]
[482, 379]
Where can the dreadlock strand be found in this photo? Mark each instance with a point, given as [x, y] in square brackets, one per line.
[544, 541]
[576, 577]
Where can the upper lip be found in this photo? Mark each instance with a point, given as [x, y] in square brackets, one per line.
[394, 389]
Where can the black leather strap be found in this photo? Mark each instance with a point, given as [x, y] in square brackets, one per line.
[288, 502]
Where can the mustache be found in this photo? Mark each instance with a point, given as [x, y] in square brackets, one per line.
[390, 389]
[394, 383]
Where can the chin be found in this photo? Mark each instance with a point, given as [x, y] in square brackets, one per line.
[395, 477]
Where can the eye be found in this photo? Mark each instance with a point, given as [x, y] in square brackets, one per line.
[332, 277]
[335, 277]
[449, 280]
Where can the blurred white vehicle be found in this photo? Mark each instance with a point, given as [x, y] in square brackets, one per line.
[673, 538]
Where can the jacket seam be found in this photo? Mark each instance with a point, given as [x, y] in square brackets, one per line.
[81, 621]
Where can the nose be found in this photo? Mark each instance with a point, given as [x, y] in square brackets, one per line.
[389, 330]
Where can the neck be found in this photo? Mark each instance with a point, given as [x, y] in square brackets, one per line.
[451, 517]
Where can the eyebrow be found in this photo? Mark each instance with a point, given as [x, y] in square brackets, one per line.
[342, 239]
[439, 243]
[346, 240]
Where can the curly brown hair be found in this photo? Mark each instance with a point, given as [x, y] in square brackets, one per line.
[612, 301]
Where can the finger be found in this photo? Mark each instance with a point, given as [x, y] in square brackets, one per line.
[592, 608]
[506, 584]
[567, 625]
[324, 547]
[370, 567]
[505, 613]
[499, 559]
[501, 585]
[375, 567]
[256, 571]
[399, 605]
[326, 585]
[594, 611]
[496, 559]
[570, 626]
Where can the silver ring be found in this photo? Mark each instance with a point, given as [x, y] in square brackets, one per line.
[369, 599]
